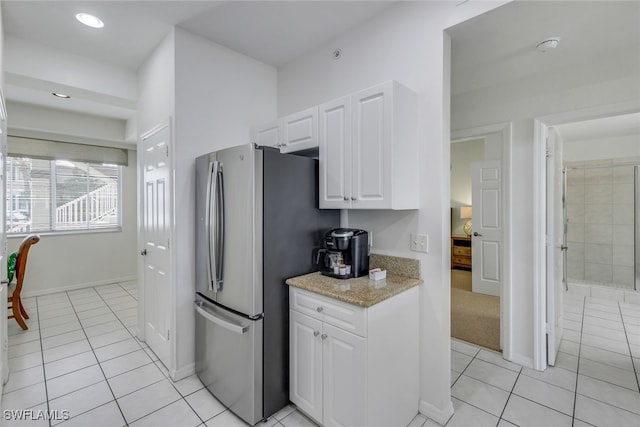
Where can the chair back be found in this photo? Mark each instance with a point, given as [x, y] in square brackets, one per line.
[21, 262]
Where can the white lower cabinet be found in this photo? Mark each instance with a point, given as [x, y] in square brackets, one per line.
[365, 377]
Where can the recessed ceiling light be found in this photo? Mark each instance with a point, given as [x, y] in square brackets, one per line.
[89, 20]
[60, 95]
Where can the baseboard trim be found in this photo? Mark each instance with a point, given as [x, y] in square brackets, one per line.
[184, 372]
[78, 286]
[439, 415]
[527, 362]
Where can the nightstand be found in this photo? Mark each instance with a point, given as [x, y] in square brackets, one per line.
[461, 252]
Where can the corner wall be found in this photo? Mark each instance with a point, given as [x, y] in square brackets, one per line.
[406, 42]
[610, 79]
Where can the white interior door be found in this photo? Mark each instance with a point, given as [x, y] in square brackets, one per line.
[486, 240]
[4, 361]
[555, 244]
[156, 231]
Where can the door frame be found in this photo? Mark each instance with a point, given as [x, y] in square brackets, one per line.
[506, 318]
[541, 125]
[140, 212]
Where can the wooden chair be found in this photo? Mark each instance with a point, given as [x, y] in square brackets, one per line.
[15, 304]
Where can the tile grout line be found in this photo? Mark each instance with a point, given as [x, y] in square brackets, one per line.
[575, 393]
[98, 362]
[633, 365]
[44, 373]
[509, 397]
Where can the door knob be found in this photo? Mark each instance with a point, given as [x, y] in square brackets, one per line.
[319, 309]
[475, 233]
[316, 333]
[323, 336]
[143, 252]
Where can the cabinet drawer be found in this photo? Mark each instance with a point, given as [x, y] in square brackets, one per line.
[348, 317]
[461, 251]
[461, 260]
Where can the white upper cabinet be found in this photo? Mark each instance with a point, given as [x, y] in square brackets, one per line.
[368, 150]
[335, 153]
[268, 135]
[300, 131]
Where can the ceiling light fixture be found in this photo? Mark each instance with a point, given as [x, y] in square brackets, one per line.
[89, 20]
[548, 44]
[60, 95]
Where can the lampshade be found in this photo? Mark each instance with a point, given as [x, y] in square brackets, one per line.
[465, 212]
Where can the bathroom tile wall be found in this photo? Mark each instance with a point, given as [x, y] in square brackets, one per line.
[600, 213]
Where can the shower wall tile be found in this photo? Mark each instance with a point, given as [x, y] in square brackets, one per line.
[623, 255]
[575, 269]
[623, 174]
[575, 176]
[623, 215]
[598, 213]
[599, 254]
[598, 272]
[600, 193]
[575, 232]
[575, 194]
[576, 252]
[623, 276]
[575, 212]
[622, 235]
[608, 294]
[598, 233]
[598, 176]
[623, 193]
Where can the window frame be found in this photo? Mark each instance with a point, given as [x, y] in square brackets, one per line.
[117, 227]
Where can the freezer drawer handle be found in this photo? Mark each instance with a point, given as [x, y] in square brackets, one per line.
[239, 329]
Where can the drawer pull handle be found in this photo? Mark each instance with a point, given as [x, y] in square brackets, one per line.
[319, 309]
[323, 336]
[316, 333]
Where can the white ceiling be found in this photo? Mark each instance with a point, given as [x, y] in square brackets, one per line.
[499, 46]
[491, 48]
[271, 31]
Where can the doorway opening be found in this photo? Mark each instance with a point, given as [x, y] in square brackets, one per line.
[480, 260]
[594, 251]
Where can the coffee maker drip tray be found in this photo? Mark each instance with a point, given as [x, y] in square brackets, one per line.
[336, 276]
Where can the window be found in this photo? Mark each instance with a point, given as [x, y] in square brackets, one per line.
[61, 195]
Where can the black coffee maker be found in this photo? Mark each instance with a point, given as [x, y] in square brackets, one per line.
[346, 253]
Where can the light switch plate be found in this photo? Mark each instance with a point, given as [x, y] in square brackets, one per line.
[419, 243]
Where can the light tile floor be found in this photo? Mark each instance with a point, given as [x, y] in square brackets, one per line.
[80, 355]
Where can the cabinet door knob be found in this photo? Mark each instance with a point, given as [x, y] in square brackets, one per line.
[346, 198]
[354, 199]
[323, 336]
[319, 309]
[316, 333]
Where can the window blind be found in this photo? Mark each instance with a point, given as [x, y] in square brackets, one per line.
[18, 146]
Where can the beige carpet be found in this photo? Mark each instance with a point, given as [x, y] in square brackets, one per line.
[475, 317]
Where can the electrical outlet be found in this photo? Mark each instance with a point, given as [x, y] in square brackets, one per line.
[419, 243]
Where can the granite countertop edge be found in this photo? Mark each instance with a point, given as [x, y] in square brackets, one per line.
[362, 291]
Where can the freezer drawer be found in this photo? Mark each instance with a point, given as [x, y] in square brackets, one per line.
[229, 359]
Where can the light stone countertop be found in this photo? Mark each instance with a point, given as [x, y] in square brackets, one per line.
[362, 291]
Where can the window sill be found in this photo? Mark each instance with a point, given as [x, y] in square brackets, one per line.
[66, 232]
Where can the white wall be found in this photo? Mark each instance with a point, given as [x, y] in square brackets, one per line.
[404, 43]
[36, 62]
[463, 154]
[605, 148]
[598, 81]
[61, 262]
[61, 124]
[214, 96]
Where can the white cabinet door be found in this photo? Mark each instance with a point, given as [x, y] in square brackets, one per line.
[305, 363]
[267, 135]
[300, 131]
[372, 144]
[334, 136]
[344, 362]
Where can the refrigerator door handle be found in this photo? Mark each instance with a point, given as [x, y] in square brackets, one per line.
[214, 224]
[239, 329]
[220, 227]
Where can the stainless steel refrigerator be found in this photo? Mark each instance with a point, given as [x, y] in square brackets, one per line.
[257, 224]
